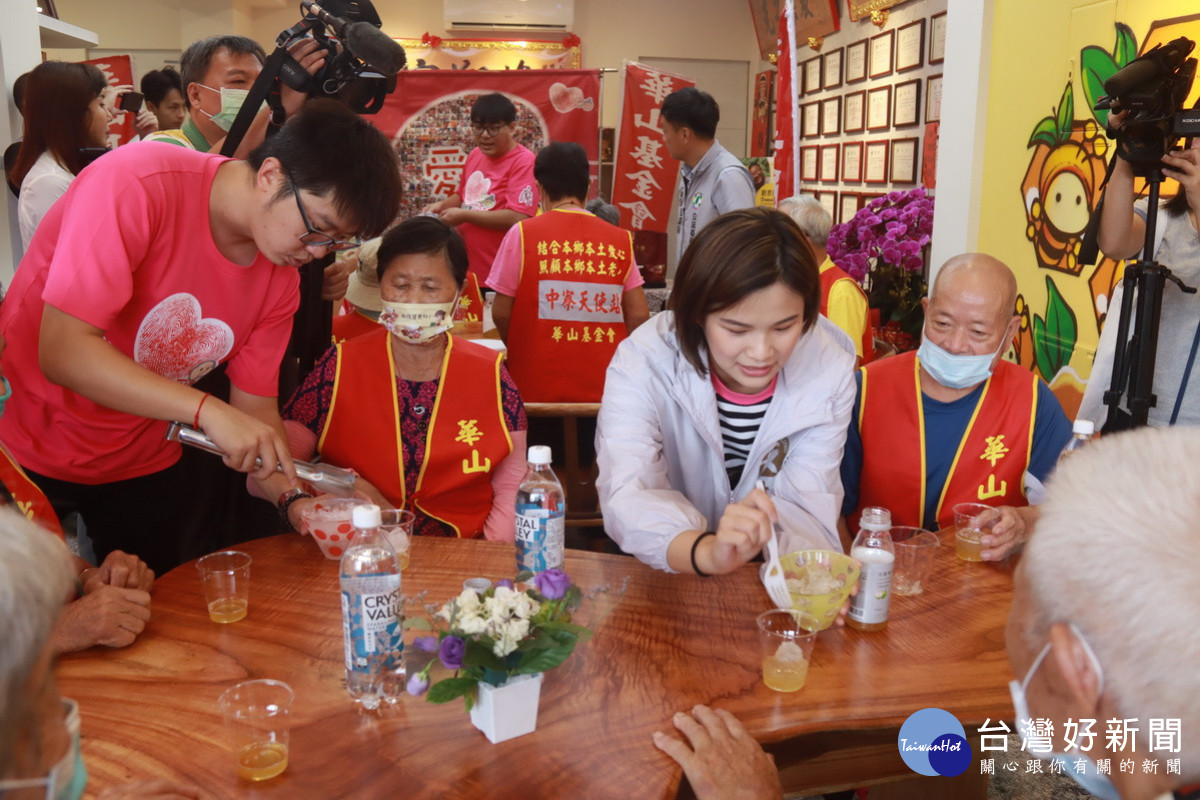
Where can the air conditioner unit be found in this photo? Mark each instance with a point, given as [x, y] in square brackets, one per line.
[548, 16]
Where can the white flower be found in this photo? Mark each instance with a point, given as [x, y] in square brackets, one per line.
[509, 635]
[468, 601]
[471, 624]
[525, 607]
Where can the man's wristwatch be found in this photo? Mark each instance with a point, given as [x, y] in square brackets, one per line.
[285, 502]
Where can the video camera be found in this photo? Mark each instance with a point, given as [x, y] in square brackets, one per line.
[362, 62]
[1152, 89]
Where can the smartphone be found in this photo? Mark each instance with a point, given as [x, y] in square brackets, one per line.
[130, 101]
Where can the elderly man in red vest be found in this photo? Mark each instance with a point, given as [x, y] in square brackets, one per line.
[567, 288]
[953, 422]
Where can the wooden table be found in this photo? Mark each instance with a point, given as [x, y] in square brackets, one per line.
[674, 641]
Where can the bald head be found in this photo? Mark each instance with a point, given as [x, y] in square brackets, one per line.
[979, 272]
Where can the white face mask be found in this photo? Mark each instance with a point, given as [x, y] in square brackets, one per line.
[66, 779]
[1090, 779]
[954, 371]
[418, 323]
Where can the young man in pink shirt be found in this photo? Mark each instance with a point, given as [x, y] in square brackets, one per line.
[159, 264]
[497, 189]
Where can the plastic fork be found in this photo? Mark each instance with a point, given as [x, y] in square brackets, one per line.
[772, 578]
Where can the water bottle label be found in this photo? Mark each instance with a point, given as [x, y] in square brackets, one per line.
[541, 537]
[871, 603]
[372, 615]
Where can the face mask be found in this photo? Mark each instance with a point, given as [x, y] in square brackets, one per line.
[418, 323]
[954, 372]
[7, 393]
[1090, 779]
[231, 104]
[68, 777]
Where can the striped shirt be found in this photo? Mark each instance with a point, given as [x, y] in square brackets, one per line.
[740, 416]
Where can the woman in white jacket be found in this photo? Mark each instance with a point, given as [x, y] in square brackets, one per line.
[739, 380]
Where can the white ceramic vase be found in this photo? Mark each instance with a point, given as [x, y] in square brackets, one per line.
[507, 711]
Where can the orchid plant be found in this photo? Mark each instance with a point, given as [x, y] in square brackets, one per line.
[883, 248]
[496, 635]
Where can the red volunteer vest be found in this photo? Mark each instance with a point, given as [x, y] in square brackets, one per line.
[26, 496]
[567, 314]
[828, 278]
[466, 441]
[468, 315]
[989, 465]
[352, 324]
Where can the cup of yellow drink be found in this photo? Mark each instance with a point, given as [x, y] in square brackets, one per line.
[787, 638]
[972, 521]
[257, 725]
[397, 527]
[226, 579]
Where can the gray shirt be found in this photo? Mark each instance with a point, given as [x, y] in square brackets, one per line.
[718, 183]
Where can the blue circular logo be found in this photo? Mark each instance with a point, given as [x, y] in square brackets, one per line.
[933, 742]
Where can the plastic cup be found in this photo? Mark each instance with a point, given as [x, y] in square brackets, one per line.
[971, 522]
[257, 724]
[787, 639]
[226, 578]
[915, 551]
[329, 522]
[397, 527]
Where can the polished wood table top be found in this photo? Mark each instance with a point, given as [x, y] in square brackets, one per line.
[673, 641]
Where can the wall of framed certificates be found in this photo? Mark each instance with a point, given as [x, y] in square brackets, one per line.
[870, 103]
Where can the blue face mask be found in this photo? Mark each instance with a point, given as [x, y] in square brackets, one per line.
[1090, 779]
[7, 393]
[951, 371]
[66, 779]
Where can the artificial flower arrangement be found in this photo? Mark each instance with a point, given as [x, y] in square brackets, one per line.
[882, 247]
[499, 634]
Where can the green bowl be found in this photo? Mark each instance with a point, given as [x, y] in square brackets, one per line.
[823, 607]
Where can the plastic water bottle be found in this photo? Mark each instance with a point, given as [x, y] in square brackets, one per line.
[1081, 437]
[874, 550]
[541, 515]
[372, 613]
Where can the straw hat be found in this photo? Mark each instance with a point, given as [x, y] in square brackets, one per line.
[364, 281]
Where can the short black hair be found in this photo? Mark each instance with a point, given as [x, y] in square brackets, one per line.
[158, 83]
[329, 150]
[427, 235]
[194, 62]
[691, 108]
[493, 108]
[562, 170]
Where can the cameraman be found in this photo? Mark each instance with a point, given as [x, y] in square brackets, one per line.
[1123, 236]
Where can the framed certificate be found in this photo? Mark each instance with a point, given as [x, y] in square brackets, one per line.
[831, 116]
[809, 170]
[906, 104]
[810, 120]
[879, 107]
[875, 161]
[831, 69]
[910, 46]
[933, 98]
[829, 200]
[937, 38]
[829, 163]
[856, 61]
[848, 207]
[812, 75]
[854, 111]
[852, 162]
[881, 54]
[904, 160]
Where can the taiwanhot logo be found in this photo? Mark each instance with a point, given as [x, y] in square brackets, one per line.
[933, 742]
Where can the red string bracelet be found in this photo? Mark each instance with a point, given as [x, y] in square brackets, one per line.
[196, 421]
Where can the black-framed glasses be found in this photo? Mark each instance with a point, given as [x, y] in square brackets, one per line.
[314, 237]
[490, 130]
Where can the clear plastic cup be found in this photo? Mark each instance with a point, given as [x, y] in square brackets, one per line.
[257, 723]
[915, 552]
[971, 522]
[787, 639]
[397, 527]
[226, 579]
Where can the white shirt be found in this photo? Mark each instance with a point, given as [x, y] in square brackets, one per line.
[45, 182]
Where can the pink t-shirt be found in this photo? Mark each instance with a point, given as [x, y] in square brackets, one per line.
[506, 266]
[129, 250]
[492, 184]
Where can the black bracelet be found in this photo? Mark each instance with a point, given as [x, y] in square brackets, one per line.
[285, 502]
[696, 544]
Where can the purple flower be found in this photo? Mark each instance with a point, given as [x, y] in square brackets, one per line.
[418, 684]
[553, 583]
[426, 644]
[505, 582]
[451, 652]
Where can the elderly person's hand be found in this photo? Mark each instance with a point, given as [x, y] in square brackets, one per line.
[151, 790]
[1011, 531]
[118, 569]
[106, 615]
[722, 762]
[336, 279]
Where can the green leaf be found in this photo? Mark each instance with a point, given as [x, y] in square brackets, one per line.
[1125, 49]
[1041, 355]
[578, 632]
[542, 660]
[1044, 132]
[1061, 327]
[479, 654]
[417, 624]
[1066, 113]
[446, 690]
[1098, 67]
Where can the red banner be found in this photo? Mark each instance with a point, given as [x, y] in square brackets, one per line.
[760, 122]
[428, 118]
[787, 124]
[644, 174]
[118, 71]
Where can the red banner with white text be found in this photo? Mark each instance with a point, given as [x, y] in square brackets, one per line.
[428, 119]
[118, 71]
[787, 123]
[644, 174]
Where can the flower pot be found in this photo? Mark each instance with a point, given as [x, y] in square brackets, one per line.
[507, 711]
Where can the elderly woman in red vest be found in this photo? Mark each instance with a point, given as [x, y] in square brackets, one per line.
[430, 422]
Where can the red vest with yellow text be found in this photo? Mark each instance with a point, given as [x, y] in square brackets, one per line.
[989, 465]
[26, 496]
[466, 441]
[833, 275]
[567, 314]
